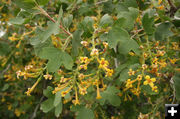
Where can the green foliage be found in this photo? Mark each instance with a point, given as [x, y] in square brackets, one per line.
[88, 59]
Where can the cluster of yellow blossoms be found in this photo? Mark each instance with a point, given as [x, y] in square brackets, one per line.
[79, 80]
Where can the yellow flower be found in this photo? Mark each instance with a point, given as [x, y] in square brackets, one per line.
[17, 112]
[144, 66]
[105, 44]
[81, 76]
[154, 88]
[48, 76]
[109, 72]
[131, 53]
[63, 93]
[103, 63]
[139, 77]
[84, 43]
[84, 60]
[12, 38]
[82, 91]
[83, 67]
[173, 61]
[160, 53]
[76, 101]
[98, 93]
[63, 80]
[94, 52]
[155, 59]
[159, 2]
[149, 80]
[161, 7]
[28, 92]
[131, 72]
[129, 83]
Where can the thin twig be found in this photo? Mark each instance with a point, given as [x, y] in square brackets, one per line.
[48, 16]
[36, 109]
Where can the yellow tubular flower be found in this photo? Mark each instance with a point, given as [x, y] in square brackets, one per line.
[32, 88]
[76, 101]
[98, 92]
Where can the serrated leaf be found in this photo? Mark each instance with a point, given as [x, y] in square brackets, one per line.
[106, 21]
[57, 99]
[58, 109]
[17, 21]
[47, 105]
[85, 113]
[148, 24]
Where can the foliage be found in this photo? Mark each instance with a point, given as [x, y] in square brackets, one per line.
[89, 59]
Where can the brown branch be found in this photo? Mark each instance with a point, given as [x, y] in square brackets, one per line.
[171, 4]
[173, 8]
[48, 16]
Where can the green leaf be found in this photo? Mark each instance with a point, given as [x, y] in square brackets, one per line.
[148, 90]
[85, 113]
[27, 5]
[53, 28]
[42, 2]
[127, 45]
[129, 16]
[4, 48]
[67, 21]
[48, 91]
[17, 21]
[60, 15]
[176, 79]
[56, 58]
[5, 87]
[163, 31]
[47, 105]
[111, 95]
[57, 99]
[76, 42]
[58, 109]
[148, 24]
[124, 75]
[115, 35]
[106, 21]
[86, 25]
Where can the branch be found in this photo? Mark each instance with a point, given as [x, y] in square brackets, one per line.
[173, 8]
[171, 4]
[48, 16]
[36, 109]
